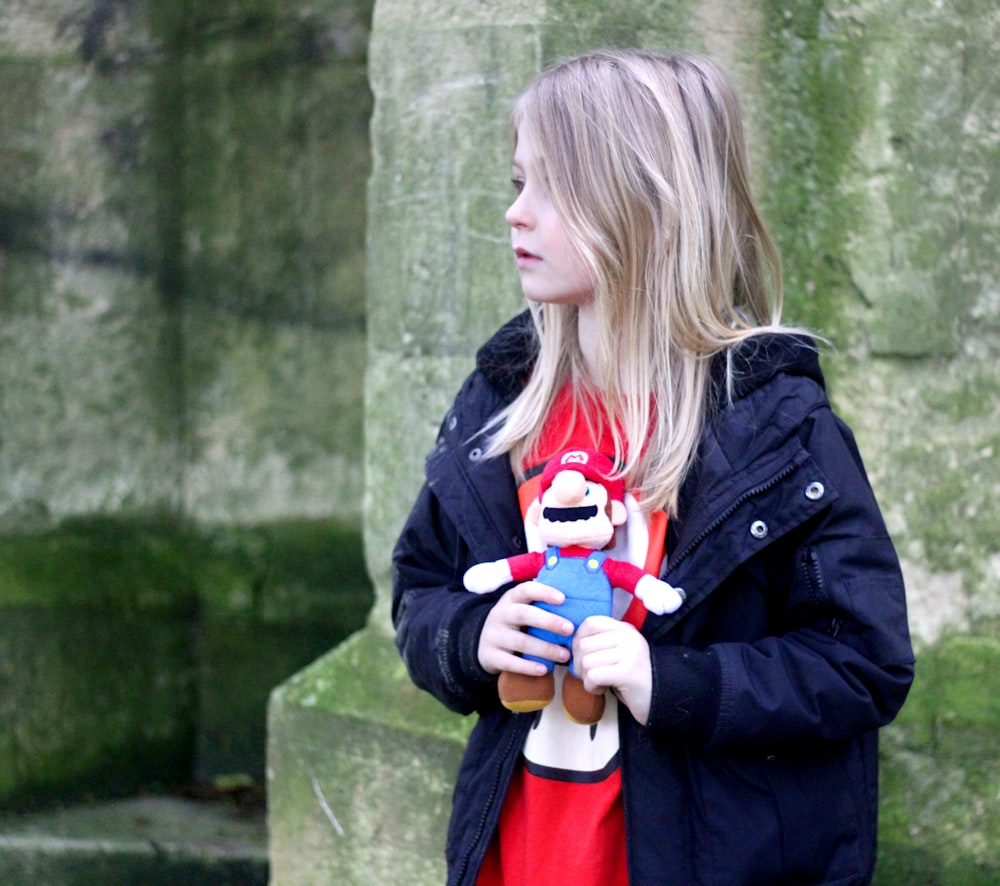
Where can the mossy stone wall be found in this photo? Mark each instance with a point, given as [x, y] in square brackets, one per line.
[874, 131]
[181, 352]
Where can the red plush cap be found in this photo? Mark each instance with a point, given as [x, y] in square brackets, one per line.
[593, 465]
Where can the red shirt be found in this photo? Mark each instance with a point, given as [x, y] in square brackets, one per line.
[562, 819]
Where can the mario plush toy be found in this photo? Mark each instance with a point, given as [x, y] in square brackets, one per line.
[580, 502]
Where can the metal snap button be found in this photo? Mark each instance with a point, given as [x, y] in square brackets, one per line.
[475, 454]
[815, 491]
[758, 529]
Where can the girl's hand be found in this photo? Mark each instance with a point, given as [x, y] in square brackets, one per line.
[503, 635]
[611, 654]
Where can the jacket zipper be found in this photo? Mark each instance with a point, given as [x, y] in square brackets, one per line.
[814, 578]
[774, 480]
[813, 575]
[512, 741]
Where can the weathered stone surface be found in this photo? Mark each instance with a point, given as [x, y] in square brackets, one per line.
[274, 413]
[182, 232]
[182, 345]
[360, 772]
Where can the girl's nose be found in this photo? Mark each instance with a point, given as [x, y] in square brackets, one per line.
[517, 215]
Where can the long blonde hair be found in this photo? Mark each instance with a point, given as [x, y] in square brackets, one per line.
[645, 160]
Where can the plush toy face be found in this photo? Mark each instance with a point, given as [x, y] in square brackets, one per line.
[577, 511]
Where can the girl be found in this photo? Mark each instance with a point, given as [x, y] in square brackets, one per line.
[739, 744]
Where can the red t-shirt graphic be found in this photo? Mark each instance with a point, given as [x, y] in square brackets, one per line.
[562, 819]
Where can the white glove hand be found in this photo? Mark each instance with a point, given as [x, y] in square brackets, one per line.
[658, 596]
[485, 577]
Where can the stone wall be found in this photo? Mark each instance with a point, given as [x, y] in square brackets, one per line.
[181, 354]
[874, 128]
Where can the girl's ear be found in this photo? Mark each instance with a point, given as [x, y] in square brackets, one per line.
[618, 513]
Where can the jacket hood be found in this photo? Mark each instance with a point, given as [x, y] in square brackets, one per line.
[757, 360]
[506, 359]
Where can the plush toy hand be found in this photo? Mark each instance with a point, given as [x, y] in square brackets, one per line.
[658, 596]
[485, 577]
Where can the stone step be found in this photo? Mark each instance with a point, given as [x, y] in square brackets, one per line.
[145, 841]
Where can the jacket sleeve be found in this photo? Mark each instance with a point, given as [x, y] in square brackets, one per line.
[437, 621]
[821, 648]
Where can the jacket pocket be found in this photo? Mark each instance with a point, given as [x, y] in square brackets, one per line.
[776, 820]
[823, 803]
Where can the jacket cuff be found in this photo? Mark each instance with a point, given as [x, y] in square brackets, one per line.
[466, 628]
[686, 692]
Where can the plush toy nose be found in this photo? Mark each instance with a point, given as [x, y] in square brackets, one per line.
[569, 488]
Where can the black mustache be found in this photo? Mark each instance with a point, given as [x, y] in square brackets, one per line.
[569, 515]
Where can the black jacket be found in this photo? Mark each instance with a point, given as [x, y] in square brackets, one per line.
[759, 761]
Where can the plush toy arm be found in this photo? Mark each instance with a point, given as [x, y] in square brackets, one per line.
[485, 577]
[658, 596]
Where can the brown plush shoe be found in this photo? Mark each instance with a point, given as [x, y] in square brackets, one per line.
[581, 706]
[523, 693]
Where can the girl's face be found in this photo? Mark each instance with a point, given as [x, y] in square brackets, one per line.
[551, 268]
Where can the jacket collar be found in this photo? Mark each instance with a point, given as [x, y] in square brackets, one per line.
[506, 359]
[757, 360]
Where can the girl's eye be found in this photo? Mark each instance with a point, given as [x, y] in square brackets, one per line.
[518, 184]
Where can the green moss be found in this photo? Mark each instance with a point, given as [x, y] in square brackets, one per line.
[285, 572]
[817, 107]
[950, 493]
[570, 27]
[93, 701]
[965, 398]
[139, 654]
[98, 563]
[366, 678]
[939, 816]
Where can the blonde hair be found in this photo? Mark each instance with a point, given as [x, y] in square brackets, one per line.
[645, 160]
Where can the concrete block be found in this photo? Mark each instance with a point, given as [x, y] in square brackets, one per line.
[360, 771]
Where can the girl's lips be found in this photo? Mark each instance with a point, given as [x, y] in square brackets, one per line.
[524, 258]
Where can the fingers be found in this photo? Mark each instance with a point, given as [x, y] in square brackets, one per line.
[609, 654]
[503, 640]
[599, 626]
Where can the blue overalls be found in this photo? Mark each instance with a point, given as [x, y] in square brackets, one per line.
[587, 589]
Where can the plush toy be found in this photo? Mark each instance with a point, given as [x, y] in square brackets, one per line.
[579, 504]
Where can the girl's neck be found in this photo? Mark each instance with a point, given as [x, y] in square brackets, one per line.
[589, 340]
